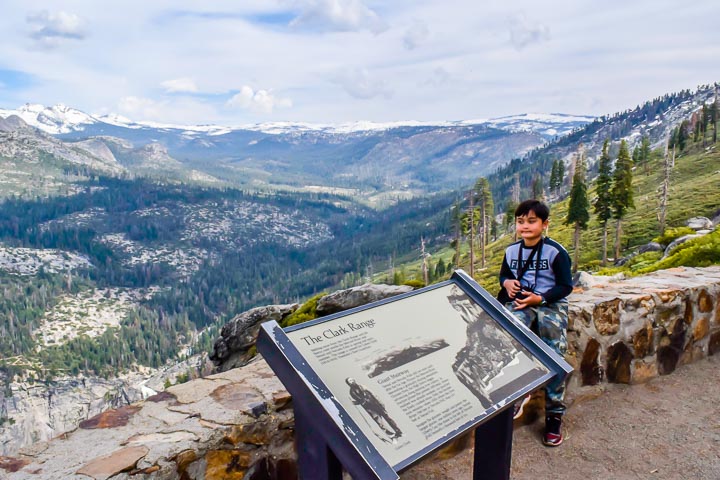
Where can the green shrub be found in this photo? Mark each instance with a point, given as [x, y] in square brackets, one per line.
[697, 252]
[672, 234]
[307, 311]
[414, 283]
[643, 260]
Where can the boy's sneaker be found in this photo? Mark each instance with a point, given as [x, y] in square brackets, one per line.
[553, 436]
[519, 406]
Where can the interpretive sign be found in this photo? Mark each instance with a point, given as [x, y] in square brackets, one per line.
[402, 377]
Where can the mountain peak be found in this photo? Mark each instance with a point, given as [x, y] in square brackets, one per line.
[61, 119]
[54, 120]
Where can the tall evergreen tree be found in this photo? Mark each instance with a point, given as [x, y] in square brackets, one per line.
[668, 163]
[579, 207]
[622, 193]
[645, 154]
[715, 112]
[485, 204]
[603, 199]
[559, 175]
[456, 220]
[537, 188]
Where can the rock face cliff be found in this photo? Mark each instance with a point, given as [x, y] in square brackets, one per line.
[239, 423]
[39, 411]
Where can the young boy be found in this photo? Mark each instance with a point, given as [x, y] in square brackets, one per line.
[536, 278]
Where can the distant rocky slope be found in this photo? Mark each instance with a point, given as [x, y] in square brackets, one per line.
[362, 159]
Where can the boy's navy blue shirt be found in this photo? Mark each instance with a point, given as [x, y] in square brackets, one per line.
[552, 278]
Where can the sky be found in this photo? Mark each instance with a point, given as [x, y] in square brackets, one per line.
[338, 61]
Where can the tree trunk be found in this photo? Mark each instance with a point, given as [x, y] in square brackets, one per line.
[456, 260]
[618, 233]
[604, 244]
[472, 236]
[576, 246]
[483, 236]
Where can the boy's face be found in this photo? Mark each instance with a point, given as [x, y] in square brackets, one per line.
[530, 227]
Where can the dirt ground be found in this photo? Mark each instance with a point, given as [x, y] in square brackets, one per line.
[668, 428]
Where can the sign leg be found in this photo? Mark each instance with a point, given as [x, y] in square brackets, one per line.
[493, 448]
[316, 461]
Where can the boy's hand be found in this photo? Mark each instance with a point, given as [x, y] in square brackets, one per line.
[530, 300]
[512, 287]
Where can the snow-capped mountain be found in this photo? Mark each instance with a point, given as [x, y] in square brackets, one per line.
[53, 120]
[398, 159]
[61, 119]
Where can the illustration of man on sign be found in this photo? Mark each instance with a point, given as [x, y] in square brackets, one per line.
[364, 398]
[486, 352]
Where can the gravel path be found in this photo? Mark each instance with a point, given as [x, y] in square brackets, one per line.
[668, 428]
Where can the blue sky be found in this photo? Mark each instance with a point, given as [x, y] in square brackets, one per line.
[334, 61]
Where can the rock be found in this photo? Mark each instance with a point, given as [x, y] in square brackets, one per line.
[606, 317]
[10, 464]
[111, 418]
[716, 219]
[699, 223]
[619, 359]
[678, 241]
[237, 336]
[714, 344]
[622, 261]
[590, 366]
[110, 465]
[357, 296]
[41, 411]
[650, 247]
[584, 280]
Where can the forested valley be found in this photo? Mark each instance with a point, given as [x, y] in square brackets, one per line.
[198, 255]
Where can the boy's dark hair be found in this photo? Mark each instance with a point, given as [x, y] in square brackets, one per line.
[539, 208]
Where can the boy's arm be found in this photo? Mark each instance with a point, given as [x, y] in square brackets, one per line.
[563, 278]
[505, 272]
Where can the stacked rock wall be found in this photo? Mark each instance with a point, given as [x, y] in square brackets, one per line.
[631, 330]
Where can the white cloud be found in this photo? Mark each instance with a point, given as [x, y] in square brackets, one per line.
[417, 34]
[180, 85]
[522, 33]
[50, 28]
[139, 108]
[260, 101]
[337, 15]
[439, 77]
[359, 83]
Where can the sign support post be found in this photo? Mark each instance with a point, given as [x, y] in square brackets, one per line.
[493, 448]
[316, 461]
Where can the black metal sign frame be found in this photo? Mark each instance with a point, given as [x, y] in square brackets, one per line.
[327, 437]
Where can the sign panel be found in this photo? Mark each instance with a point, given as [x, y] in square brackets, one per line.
[412, 371]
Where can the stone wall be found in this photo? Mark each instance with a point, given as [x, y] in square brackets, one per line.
[238, 424]
[629, 331]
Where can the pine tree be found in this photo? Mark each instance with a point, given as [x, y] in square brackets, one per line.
[579, 207]
[485, 204]
[715, 112]
[554, 177]
[537, 188]
[665, 186]
[456, 220]
[603, 200]
[622, 193]
[559, 176]
[471, 224]
[645, 154]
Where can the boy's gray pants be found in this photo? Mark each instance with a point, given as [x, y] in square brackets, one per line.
[550, 323]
